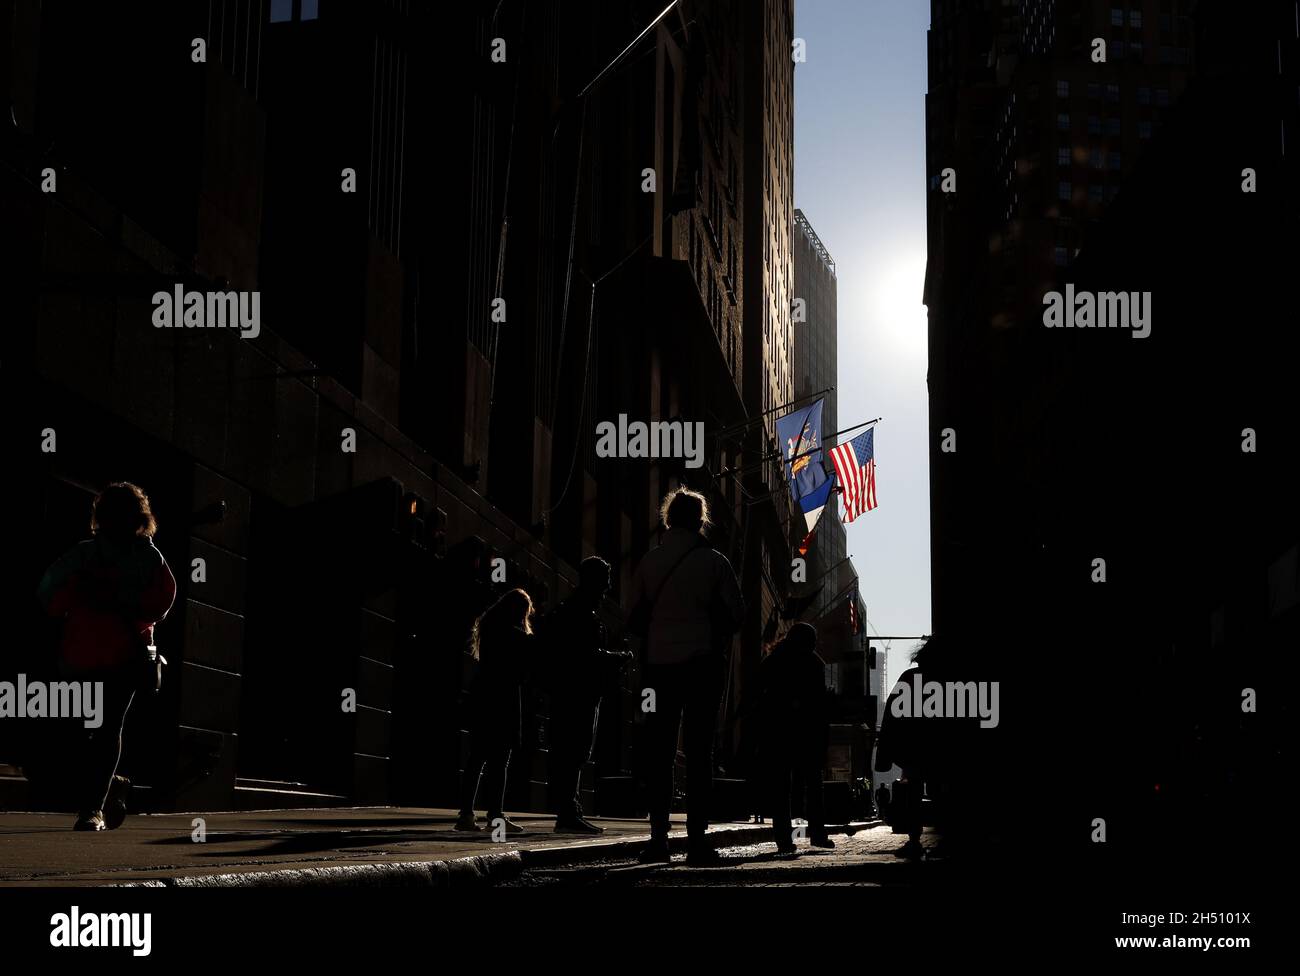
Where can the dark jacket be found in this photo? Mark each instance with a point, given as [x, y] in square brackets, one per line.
[907, 740]
[496, 699]
[580, 667]
[698, 605]
[110, 594]
[792, 709]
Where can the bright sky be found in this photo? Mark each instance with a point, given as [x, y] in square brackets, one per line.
[859, 176]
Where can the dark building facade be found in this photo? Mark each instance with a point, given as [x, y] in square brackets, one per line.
[768, 384]
[1054, 449]
[462, 271]
[816, 361]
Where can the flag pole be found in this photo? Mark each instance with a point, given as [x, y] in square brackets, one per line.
[831, 570]
[830, 604]
[727, 431]
[777, 454]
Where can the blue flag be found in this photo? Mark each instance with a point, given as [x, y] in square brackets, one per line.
[800, 436]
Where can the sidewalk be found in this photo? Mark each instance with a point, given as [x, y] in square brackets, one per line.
[350, 845]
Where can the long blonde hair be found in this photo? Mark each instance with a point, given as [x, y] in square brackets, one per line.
[513, 609]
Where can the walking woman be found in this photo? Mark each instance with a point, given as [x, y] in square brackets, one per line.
[502, 643]
[110, 591]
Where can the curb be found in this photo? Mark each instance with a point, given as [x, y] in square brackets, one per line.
[477, 871]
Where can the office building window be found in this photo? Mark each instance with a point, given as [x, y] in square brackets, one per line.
[1063, 122]
[1061, 256]
[1062, 89]
[1094, 158]
[1135, 18]
[1135, 51]
[1162, 96]
[1144, 95]
[1063, 156]
[281, 10]
[1094, 125]
[1094, 194]
[1117, 49]
[1094, 90]
[1144, 130]
[1115, 161]
[1064, 190]
[1112, 127]
[1112, 93]
[310, 9]
[1116, 17]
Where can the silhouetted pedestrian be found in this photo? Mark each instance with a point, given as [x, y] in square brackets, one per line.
[912, 742]
[502, 642]
[581, 667]
[686, 599]
[442, 601]
[110, 591]
[793, 737]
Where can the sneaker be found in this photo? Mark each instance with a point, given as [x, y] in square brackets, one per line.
[656, 852]
[704, 857]
[115, 805]
[577, 825]
[822, 840]
[512, 828]
[468, 823]
[91, 821]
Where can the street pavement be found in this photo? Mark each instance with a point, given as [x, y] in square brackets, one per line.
[862, 859]
[372, 845]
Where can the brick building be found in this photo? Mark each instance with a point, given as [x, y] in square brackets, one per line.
[460, 276]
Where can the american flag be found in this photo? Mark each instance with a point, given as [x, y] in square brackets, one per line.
[855, 469]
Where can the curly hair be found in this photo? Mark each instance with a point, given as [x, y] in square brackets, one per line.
[121, 511]
[685, 509]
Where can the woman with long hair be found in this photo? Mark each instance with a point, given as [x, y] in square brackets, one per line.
[501, 642]
[110, 591]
